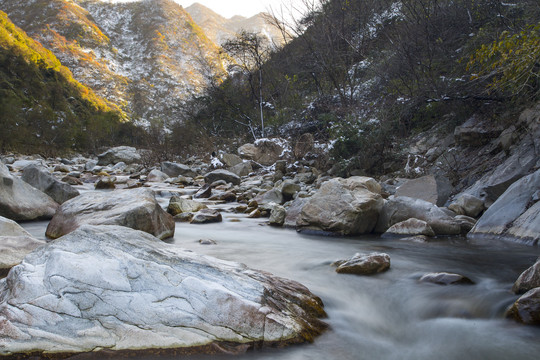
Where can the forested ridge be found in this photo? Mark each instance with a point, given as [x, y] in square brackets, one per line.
[361, 76]
[43, 105]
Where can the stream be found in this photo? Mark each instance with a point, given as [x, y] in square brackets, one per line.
[390, 315]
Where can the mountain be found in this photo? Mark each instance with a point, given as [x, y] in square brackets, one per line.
[220, 29]
[147, 56]
[42, 107]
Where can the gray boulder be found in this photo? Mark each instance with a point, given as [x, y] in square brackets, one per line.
[242, 169]
[248, 151]
[289, 188]
[156, 176]
[15, 244]
[265, 151]
[344, 206]
[445, 278]
[411, 227]
[174, 169]
[277, 215]
[114, 288]
[11, 228]
[230, 160]
[13, 249]
[134, 208]
[515, 215]
[126, 154]
[403, 208]
[271, 196]
[428, 188]
[178, 205]
[42, 180]
[21, 201]
[492, 185]
[526, 309]
[206, 216]
[528, 280]
[221, 174]
[293, 212]
[467, 204]
[364, 264]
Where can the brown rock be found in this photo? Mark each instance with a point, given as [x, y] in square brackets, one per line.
[364, 264]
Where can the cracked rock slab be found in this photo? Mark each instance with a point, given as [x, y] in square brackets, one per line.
[114, 288]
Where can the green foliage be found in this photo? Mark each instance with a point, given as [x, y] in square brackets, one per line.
[512, 63]
[42, 108]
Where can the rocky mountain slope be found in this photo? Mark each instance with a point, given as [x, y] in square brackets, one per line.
[220, 29]
[41, 103]
[147, 56]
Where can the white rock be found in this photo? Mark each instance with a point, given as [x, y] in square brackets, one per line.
[117, 288]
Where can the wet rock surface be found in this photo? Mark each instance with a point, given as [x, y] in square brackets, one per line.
[364, 264]
[445, 278]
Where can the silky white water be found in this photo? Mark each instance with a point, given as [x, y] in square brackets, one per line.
[389, 315]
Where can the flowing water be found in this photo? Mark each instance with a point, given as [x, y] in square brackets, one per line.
[389, 315]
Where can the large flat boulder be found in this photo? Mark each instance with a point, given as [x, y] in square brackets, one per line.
[126, 154]
[404, 208]
[135, 208]
[41, 179]
[515, 215]
[345, 206]
[114, 288]
[20, 201]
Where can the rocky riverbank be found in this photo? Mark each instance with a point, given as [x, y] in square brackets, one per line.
[93, 203]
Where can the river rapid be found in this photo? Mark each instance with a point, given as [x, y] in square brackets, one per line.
[390, 315]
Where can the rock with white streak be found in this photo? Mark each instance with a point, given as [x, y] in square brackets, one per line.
[114, 288]
[134, 208]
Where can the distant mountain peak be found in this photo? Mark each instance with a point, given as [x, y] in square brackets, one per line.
[220, 29]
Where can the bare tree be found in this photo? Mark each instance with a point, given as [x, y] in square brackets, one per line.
[251, 51]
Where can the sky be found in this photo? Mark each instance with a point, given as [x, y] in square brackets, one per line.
[247, 8]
